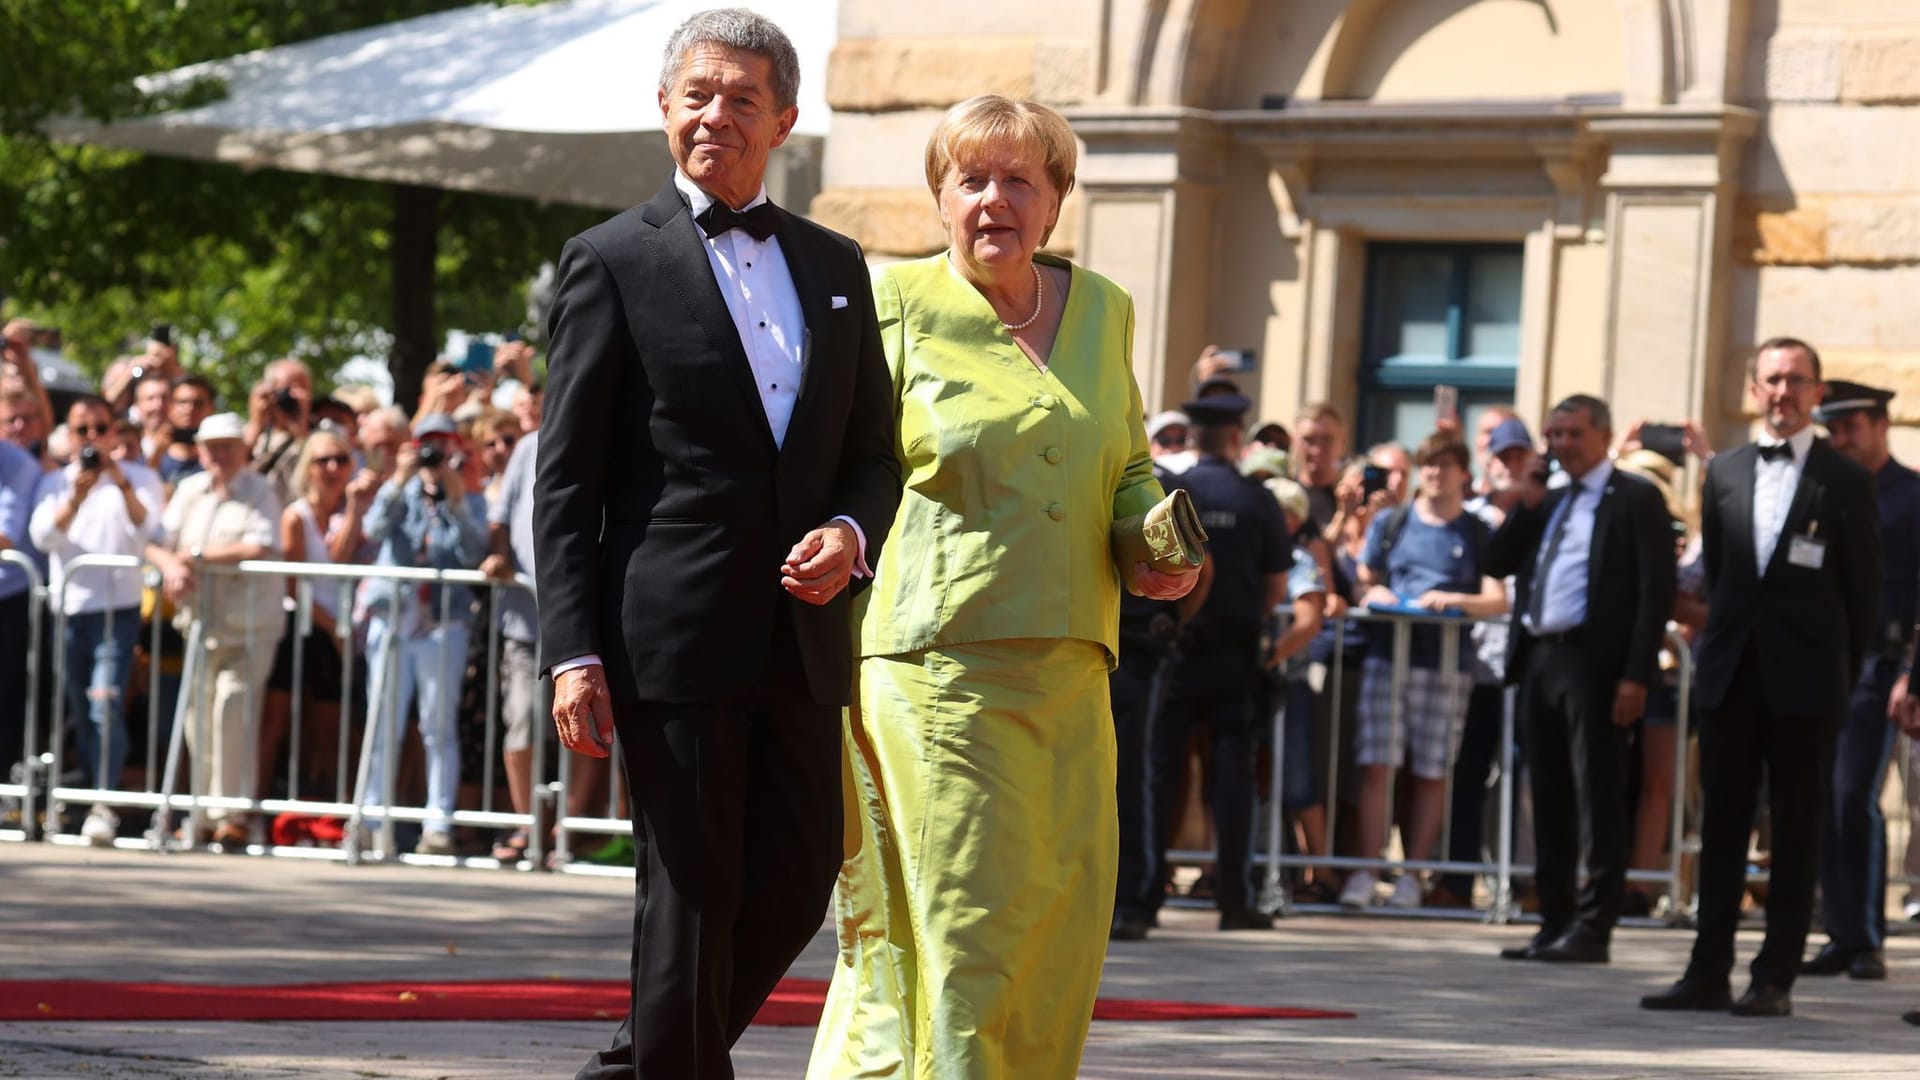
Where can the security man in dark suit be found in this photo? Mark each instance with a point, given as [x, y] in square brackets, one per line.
[1149, 641]
[1593, 571]
[1212, 683]
[1790, 531]
[1853, 860]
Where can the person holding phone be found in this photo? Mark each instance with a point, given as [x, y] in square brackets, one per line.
[1428, 555]
[97, 506]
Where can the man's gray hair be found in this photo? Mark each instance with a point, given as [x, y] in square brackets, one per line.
[736, 28]
[1598, 414]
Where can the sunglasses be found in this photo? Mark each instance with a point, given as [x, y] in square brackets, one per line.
[331, 461]
[1171, 441]
[89, 430]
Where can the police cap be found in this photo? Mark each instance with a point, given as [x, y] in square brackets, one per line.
[1844, 398]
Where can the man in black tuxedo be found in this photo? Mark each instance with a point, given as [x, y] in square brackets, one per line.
[1790, 530]
[1593, 569]
[716, 464]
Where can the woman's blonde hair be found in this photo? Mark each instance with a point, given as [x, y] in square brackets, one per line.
[297, 486]
[991, 120]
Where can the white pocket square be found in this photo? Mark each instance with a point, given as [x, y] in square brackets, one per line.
[839, 302]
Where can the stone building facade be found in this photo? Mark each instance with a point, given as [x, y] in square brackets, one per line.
[1520, 198]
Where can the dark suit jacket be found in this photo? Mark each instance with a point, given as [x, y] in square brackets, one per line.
[1630, 571]
[1810, 628]
[662, 506]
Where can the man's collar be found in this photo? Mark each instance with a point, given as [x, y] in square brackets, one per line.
[1801, 441]
[698, 200]
[1595, 479]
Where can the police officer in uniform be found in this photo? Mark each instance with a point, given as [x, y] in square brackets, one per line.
[1853, 855]
[1212, 683]
[1149, 639]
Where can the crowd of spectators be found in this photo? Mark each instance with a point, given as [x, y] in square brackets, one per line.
[1391, 531]
[149, 464]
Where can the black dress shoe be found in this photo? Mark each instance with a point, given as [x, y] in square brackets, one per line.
[1830, 960]
[1688, 995]
[1763, 1000]
[1245, 919]
[1869, 964]
[1574, 947]
[1531, 950]
[1911, 1016]
[1128, 928]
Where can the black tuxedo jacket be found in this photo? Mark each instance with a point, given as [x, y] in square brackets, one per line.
[662, 506]
[1810, 627]
[1630, 571]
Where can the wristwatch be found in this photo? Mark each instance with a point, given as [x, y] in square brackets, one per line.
[194, 553]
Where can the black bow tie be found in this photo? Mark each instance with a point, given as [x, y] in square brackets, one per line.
[1780, 451]
[759, 221]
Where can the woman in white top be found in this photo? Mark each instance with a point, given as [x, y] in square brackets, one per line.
[321, 525]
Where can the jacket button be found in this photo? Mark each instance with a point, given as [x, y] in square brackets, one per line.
[1056, 511]
[1053, 455]
[1047, 401]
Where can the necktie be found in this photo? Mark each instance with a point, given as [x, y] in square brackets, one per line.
[759, 221]
[1537, 603]
[1780, 451]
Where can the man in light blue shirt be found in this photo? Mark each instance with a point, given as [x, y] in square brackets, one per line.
[19, 473]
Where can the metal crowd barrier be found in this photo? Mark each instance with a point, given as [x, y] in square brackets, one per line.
[215, 589]
[1500, 867]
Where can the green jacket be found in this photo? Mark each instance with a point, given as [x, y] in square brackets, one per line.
[1012, 475]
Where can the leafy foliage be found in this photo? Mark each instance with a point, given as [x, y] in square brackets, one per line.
[249, 266]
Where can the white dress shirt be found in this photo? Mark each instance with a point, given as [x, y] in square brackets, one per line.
[1563, 603]
[1774, 483]
[758, 286]
[101, 526]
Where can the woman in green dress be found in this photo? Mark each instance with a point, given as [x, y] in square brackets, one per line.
[982, 833]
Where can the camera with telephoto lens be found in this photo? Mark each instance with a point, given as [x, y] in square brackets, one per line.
[89, 458]
[431, 456]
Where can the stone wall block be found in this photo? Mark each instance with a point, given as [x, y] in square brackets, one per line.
[1882, 69]
[1874, 232]
[1781, 237]
[1805, 66]
[875, 75]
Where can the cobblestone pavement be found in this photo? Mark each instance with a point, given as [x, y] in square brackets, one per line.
[1432, 1000]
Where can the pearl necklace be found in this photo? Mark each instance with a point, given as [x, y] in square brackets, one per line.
[1039, 300]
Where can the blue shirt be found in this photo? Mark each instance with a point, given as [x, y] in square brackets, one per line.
[1563, 603]
[1424, 558]
[19, 476]
[413, 530]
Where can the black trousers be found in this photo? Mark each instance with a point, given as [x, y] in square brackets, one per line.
[1577, 763]
[1741, 743]
[1479, 749]
[736, 812]
[1853, 854]
[1215, 695]
[1135, 691]
[13, 680]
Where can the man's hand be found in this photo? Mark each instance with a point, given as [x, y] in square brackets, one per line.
[1629, 702]
[1903, 708]
[1437, 601]
[497, 566]
[1378, 594]
[176, 576]
[583, 711]
[821, 564]
[1155, 585]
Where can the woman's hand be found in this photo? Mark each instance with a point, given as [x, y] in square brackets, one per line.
[1155, 585]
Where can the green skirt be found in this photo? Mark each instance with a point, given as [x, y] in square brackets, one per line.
[982, 842]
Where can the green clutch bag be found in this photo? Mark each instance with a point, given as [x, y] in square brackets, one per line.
[1168, 538]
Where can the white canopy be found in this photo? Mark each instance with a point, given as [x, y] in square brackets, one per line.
[553, 101]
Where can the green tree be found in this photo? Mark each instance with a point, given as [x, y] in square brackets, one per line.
[249, 266]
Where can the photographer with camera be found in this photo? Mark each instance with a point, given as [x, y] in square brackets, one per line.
[279, 415]
[97, 506]
[422, 517]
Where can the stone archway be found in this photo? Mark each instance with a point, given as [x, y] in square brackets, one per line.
[1187, 48]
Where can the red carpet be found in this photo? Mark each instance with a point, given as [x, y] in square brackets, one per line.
[796, 1003]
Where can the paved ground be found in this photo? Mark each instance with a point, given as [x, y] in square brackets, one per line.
[1432, 999]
